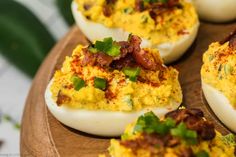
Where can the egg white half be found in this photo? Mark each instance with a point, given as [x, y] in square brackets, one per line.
[216, 10]
[102, 123]
[220, 105]
[169, 51]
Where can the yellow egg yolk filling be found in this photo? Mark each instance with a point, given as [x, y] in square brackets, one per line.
[219, 69]
[126, 95]
[169, 26]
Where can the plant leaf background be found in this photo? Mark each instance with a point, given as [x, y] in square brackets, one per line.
[55, 15]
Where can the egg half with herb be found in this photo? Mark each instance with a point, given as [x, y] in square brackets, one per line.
[170, 26]
[219, 79]
[106, 85]
[216, 10]
[183, 133]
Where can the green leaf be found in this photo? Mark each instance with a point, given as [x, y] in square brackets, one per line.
[64, 7]
[24, 40]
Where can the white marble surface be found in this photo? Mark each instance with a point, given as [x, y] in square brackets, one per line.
[14, 85]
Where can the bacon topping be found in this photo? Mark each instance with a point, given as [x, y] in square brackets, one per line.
[131, 55]
[231, 38]
[153, 142]
[194, 121]
[62, 99]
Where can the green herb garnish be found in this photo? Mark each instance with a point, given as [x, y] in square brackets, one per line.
[144, 19]
[78, 83]
[228, 69]
[181, 131]
[150, 123]
[128, 10]
[202, 153]
[229, 139]
[100, 83]
[107, 46]
[132, 73]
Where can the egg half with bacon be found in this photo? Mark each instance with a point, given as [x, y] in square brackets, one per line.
[106, 85]
[219, 79]
[167, 25]
[183, 133]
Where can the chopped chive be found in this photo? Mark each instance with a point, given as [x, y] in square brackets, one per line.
[144, 19]
[128, 10]
[228, 69]
[108, 47]
[202, 153]
[211, 57]
[92, 49]
[114, 51]
[100, 83]
[78, 83]
[132, 73]
[229, 139]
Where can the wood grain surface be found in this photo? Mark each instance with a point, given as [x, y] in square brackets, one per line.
[42, 135]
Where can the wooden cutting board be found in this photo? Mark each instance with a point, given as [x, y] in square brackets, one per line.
[43, 135]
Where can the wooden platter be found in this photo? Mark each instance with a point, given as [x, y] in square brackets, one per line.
[43, 135]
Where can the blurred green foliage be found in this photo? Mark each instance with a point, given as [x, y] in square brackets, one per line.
[64, 7]
[24, 40]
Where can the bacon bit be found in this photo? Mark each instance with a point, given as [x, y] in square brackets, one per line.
[139, 5]
[146, 81]
[145, 59]
[111, 1]
[232, 42]
[230, 36]
[109, 95]
[62, 99]
[151, 142]
[107, 7]
[186, 152]
[194, 121]
[103, 59]
[182, 32]
[107, 10]
[128, 61]
[87, 6]
[98, 58]
[89, 58]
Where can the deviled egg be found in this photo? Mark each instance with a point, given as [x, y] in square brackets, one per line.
[183, 133]
[106, 85]
[216, 10]
[170, 26]
[218, 75]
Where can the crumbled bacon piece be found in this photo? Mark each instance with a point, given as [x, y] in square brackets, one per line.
[98, 58]
[103, 59]
[151, 142]
[62, 99]
[139, 5]
[131, 55]
[232, 42]
[194, 121]
[107, 10]
[231, 36]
